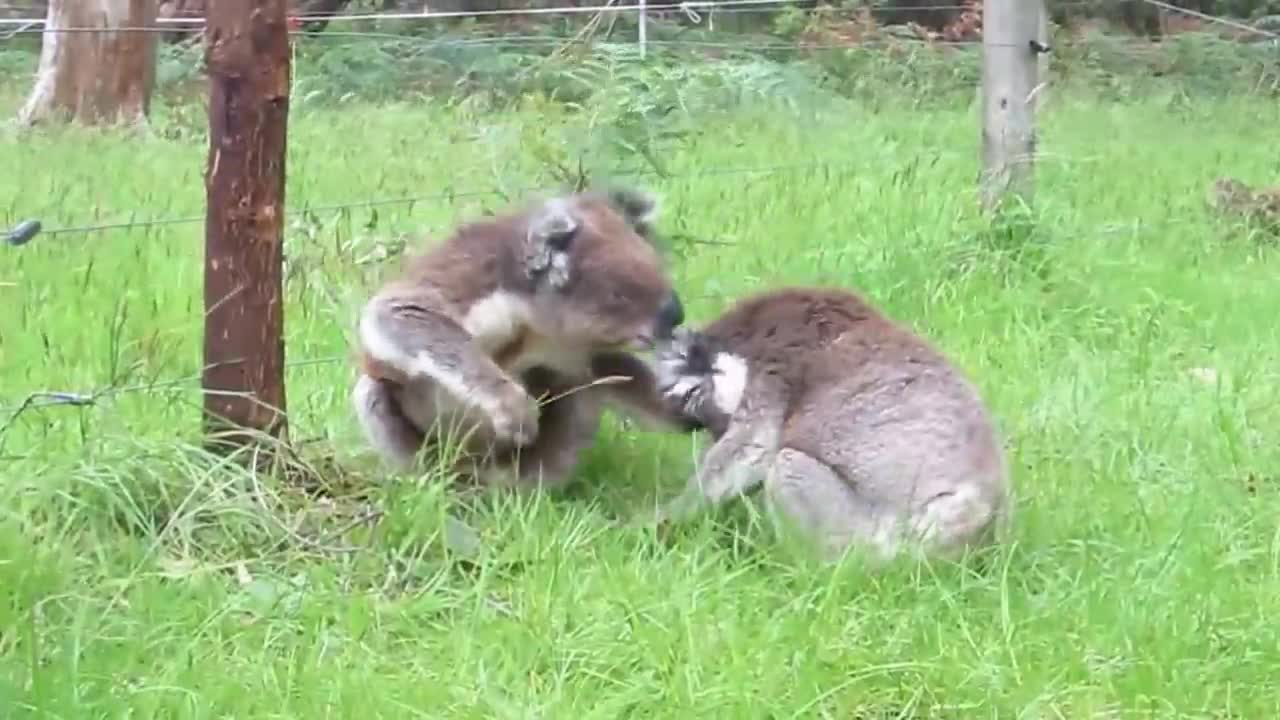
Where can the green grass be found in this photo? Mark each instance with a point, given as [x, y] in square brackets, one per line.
[141, 578]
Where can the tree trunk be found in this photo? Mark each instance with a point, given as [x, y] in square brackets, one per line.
[247, 56]
[96, 76]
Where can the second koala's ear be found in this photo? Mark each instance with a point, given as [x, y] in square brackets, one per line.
[639, 207]
[689, 350]
[548, 240]
[699, 353]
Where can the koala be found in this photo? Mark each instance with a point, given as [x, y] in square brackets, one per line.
[514, 334]
[858, 430]
[1233, 197]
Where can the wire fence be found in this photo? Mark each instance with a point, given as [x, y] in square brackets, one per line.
[448, 196]
[691, 9]
[695, 12]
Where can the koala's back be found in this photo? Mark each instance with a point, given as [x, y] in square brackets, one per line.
[901, 436]
[809, 338]
[867, 396]
[472, 263]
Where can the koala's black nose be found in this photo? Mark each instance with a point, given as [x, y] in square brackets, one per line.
[670, 317]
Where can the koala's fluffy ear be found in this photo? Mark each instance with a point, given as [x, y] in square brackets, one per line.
[688, 350]
[548, 240]
[639, 207]
[698, 352]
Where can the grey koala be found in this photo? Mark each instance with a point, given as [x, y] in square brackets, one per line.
[860, 432]
[504, 332]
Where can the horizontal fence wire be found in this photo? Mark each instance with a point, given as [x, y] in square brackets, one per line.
[689, 7]
[32, 26]
[450, 196]
[49, 398]
[549, 40]
[692, 9]
[612, 7]
[1211, 18]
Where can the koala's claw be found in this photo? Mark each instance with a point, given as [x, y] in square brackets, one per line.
[516, 421]
[680, 392]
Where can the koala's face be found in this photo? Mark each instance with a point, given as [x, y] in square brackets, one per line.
[599, 281]
[699, 379]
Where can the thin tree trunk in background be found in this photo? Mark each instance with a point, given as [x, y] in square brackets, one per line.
[95, 77]
[247, 55]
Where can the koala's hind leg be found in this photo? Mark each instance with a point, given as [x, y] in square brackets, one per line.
[806, 492]
[388, 429]
[955, 521]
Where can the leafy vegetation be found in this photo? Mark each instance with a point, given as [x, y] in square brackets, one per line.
[1119, 330]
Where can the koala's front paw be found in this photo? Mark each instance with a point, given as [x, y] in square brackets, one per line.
[516, 419]
[682, 394]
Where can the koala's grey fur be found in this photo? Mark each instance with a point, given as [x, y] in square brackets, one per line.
[859, 430]
[510, 311]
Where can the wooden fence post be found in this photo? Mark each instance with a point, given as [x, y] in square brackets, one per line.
[247, 55]
[1010, 67]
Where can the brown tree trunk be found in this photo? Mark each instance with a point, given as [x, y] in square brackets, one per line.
[247, 56]
[94, 75]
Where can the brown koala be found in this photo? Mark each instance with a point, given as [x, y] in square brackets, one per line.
[1231, 196]
[533, 305]
[859, 430]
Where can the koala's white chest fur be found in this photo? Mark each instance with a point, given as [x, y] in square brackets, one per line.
[496, 320]
[729, 381]
[503, 320]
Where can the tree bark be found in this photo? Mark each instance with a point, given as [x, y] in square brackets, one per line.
[101, 73]
[247, 56]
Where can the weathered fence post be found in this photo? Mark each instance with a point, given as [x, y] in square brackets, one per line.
[1010, 67]
[247, 55]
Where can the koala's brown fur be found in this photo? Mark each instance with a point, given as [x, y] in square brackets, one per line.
[860, 431]
[537, 305]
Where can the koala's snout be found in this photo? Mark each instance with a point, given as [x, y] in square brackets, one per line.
[670, 317]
